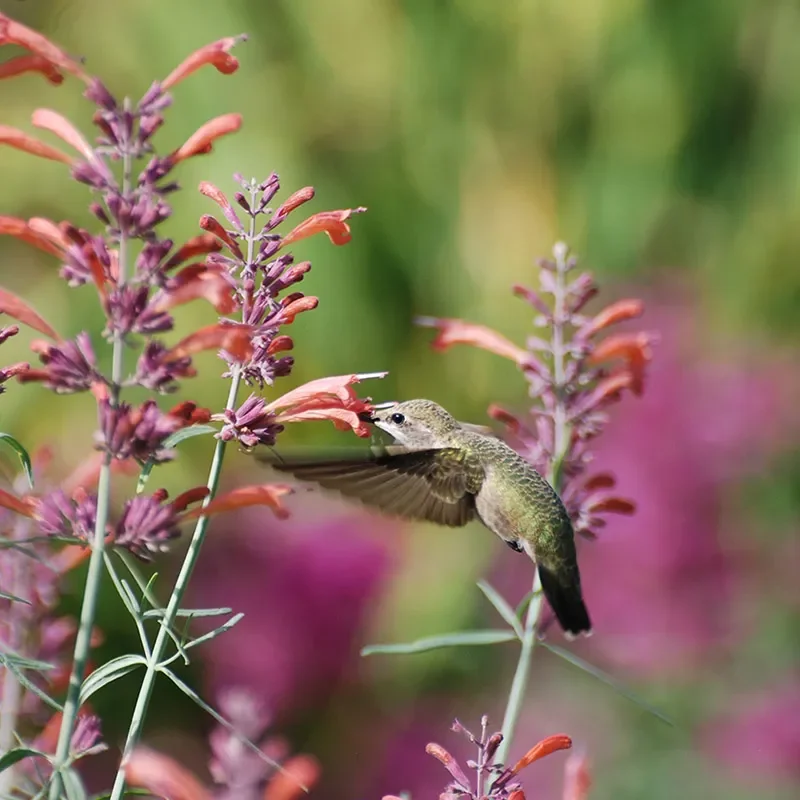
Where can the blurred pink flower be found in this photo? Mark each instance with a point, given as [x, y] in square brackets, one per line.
[660, 583]
[305, 588]
[761, 734]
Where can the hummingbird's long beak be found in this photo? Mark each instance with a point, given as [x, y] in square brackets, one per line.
[365, 416]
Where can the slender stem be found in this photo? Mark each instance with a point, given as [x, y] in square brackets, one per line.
[560, 446]
[12, 689]
[94, 574]
[154, 662]
[173, 606]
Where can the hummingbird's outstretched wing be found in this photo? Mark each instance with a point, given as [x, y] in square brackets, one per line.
[434, 485]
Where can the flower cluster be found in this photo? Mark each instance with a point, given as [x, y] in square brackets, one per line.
[243, 271]
[31, 634]
[573, 377]
[494, 781]
[239, 772]
[6, 332]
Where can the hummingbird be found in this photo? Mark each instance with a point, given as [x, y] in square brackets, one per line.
[448, 472]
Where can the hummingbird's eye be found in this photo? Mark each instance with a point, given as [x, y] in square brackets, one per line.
[397, 419]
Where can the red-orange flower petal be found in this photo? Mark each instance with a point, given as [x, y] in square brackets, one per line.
[202, 139]
[193, 283]
[616, 505]
[506, 417]
[190, 413]
[28, 231]
[69, 557]
[210, 224]
[295, 307]
[634, 348]
[331, 222]
[233, 338]
[196, 246]
[552, 744]
[59, 125]
[216, 54]
[577, 778]
[14, 137]
[620, 311]
[295, 200]
[193, 495]
[266, 494]
[337, 385]
[280, 344]
[19, 505]
[163, 776]
[330, 398]
[457, 331]
[299, 774]
[13, 32]
[31, 63]
[22, 312]
[602, 480]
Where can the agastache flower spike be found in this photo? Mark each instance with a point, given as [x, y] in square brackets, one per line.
[586, 388]
[502, 781]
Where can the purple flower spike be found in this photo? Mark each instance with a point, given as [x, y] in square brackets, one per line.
[146, 525]
[63, 516]
[129, 312]
[136, 433]
[71, 366]
[250, 424]
[158, 371]
[87, 737]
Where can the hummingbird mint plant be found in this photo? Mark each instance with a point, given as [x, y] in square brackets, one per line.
[241, 268]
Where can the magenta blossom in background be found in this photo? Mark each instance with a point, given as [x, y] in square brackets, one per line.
[761, 736]
[660, 583]
[305, 589]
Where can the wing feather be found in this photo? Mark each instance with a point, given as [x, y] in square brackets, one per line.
[433, 485]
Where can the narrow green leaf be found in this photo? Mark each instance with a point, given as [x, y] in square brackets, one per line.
[24, 663]
[73, 785]
[31, 686]
[22, 454]
[188, 612]
[459, 639]
[108, 672]
[609, 680]
[501, 606]
[525, 602]
[129, 792]
[13, 598]
[130, 599]
[192, 695]
[206, 637]
[17, 754]
[170, 442]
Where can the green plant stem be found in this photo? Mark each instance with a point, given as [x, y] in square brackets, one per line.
[561, 436]
[84, 635]
[182, 581]
[94, 574]
[173, 606]
[11, 688]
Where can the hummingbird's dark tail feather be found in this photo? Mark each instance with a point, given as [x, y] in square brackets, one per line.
[566, 602]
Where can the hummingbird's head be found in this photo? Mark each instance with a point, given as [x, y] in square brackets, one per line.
[415, 423]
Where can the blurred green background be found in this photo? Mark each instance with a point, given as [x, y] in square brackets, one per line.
[660, 139]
